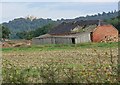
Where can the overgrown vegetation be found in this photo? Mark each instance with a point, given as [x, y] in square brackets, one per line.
[115, 22]
[74, 64]
[59, 72]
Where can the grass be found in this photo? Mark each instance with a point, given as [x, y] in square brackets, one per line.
[61, 47]
[79, 63]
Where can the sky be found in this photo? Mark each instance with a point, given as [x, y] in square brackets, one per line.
[59, 0]
[11, 9]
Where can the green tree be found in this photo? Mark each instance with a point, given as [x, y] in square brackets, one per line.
[39, 31]
[4, 32]
[115, 22]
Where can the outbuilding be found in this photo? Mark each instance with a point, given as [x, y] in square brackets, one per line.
[105, 33]
[78, 32]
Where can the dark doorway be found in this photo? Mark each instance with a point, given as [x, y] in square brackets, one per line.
[73, 40]
[91, 36]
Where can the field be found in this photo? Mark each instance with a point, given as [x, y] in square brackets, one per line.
[80, 63]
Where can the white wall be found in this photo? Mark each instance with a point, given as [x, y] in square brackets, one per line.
[84, 37]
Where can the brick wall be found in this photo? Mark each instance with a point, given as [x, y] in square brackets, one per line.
[101, 32]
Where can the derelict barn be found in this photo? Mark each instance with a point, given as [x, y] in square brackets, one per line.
[66, 39]
[77, 32]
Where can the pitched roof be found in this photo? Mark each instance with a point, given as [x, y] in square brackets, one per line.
[67, 27]
[60, 36]
[44, 36]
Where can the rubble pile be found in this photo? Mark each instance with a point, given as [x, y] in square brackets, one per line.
[110, 39]
[8, 44]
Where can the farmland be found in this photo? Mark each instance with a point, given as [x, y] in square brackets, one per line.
[80, 63]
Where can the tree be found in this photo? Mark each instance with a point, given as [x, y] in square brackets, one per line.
[4, 32]
[103, 13]
[39, 31]
[115, 22]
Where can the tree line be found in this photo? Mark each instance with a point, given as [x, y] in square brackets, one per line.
[40, 31]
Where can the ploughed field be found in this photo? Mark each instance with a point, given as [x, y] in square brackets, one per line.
[81, 63]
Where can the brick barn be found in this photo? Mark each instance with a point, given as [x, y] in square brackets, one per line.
[79, 32]
[105, 32]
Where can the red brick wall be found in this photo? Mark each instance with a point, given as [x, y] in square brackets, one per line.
[101, 31]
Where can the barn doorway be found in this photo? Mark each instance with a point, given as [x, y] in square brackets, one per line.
[91, 36]
[73, 40]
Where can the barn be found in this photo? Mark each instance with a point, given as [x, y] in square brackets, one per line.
[78, 32]
[62, 39]
[105, 33]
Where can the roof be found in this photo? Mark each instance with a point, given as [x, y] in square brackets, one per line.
[67, 27]
[73, 29]
[44, 36]
[105, 27]
[68, 35]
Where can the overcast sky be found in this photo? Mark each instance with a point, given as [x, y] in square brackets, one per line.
[59, 0]
[55, 10]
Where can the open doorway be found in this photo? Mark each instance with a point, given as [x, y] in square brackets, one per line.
[91, 36]
[73, 40]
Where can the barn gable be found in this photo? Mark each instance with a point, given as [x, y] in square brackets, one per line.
[103, 32]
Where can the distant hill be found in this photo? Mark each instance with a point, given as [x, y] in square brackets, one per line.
[31, 24]
[102, 16]
[22, 24]
[25, 25]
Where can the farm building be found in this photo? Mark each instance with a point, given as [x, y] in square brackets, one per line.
[78, 32]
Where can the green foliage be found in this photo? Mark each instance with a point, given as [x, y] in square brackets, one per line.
[40, 31]
[4, 32]
[115, 22]
[58, 72]
[22, 24]
[50, 64]
[12, 74]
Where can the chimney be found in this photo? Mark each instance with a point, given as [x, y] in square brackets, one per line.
[99, 23]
